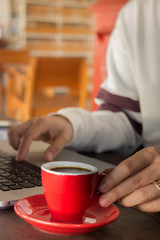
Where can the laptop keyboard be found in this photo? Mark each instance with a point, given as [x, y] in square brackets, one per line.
[17, 175]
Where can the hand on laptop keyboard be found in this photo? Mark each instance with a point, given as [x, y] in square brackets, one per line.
[55, 128]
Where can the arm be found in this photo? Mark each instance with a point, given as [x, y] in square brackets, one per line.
[100, 130]
[117, 123]
[109, 128]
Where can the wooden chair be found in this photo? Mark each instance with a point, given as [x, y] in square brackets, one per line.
[59, 83]
[39, 86]
[20, 90]
[18, 68]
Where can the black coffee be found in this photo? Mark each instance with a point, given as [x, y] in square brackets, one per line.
[70, 170]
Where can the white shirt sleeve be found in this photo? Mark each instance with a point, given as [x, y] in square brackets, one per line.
[100, 130]
[107, 130]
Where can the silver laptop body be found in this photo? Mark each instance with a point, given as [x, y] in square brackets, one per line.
[36, 157]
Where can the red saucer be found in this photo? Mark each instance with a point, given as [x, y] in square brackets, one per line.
[34, 210]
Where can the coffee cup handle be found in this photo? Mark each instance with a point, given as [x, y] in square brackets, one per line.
[97, 194]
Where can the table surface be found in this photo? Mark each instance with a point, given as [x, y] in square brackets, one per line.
[131, 225]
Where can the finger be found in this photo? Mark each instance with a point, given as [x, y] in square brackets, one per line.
[14, 139]
[107, 171]
[31, 134]
[129, 185]
[140, 196]
[15, 133]
[57, 145]
[125, 169]
[151, 206]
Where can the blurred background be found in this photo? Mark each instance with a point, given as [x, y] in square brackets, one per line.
[52, 54]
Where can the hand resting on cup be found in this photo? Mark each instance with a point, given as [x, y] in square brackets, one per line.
[131, 182]
[55, 128]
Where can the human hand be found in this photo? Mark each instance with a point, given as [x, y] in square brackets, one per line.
[131, 182]
[55, 128]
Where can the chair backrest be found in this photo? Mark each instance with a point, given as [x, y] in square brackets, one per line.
[59, 72]
[61, 82]
[18, 68]
[38, 86]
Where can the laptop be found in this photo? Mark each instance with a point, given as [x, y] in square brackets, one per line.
[20, 180]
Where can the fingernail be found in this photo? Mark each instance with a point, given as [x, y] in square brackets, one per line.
[104, 201]
[18, 159]
[103, 187]
[49, 156]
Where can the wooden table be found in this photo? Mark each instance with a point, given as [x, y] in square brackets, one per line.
[131, 225]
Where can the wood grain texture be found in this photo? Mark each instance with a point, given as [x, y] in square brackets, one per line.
[131, 225]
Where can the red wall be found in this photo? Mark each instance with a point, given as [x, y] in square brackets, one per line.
[105, 12]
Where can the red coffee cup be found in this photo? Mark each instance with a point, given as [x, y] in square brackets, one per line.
[69, 189]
